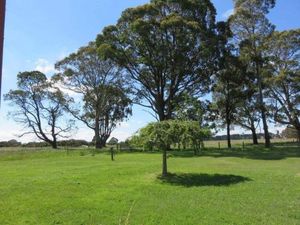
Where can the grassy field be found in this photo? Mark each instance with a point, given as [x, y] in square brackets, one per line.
[239, 143]
[254, 186]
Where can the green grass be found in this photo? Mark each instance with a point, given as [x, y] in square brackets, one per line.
[255, 186]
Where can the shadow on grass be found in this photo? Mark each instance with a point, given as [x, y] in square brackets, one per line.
[278, 151]
[253, 152]
[198, 180]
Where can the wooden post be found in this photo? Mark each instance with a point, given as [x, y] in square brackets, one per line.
[219, 145]
[243, 145]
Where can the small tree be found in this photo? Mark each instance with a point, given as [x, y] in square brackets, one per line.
[166, 133]
[39, 108]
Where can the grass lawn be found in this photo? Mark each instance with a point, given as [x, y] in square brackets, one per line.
[217, 187]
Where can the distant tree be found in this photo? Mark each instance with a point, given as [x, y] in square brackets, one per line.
[284, 80]
[113, 141]
[39, 108]
[192, 108]
[167, 48]
[10, 143]
[105, 94]
[290, 132]
[228, 91]
[247, 114]
[251, 29]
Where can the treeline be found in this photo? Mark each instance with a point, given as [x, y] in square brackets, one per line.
[166, 56]
[242, 136]
[64, 143]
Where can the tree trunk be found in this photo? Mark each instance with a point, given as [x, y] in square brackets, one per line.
[103, 142]
[254, 135]
[98, 143]
[195, 150]
[54, 145]
[228, 133]
[163, 117]
[263, 111]
[97, 138]
[266, 129]
[164, 163]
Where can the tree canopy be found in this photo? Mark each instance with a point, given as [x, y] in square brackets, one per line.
[171, 132]
[166, 48]
[39, 108]
[284, 77]
[104, 93]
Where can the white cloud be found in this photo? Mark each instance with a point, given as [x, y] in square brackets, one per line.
[44, 66]
[228, 13]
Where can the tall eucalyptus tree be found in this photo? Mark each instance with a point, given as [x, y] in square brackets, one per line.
[167, 48]
[105, 94]
[251, 29]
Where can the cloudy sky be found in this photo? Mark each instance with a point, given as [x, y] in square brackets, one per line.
[38, 33]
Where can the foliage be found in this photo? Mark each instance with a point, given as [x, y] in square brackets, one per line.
[171, 132]
[113, 141]
[192, 108]
[228, 91]
[167, 48]
[39, 108]
[290, 132]
[247, 112]
[251, 29]
[284, 78]
[103, 91]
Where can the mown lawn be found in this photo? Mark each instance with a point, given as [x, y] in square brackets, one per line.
[217, 187]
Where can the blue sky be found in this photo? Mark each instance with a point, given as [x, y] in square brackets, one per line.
[38, 33]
